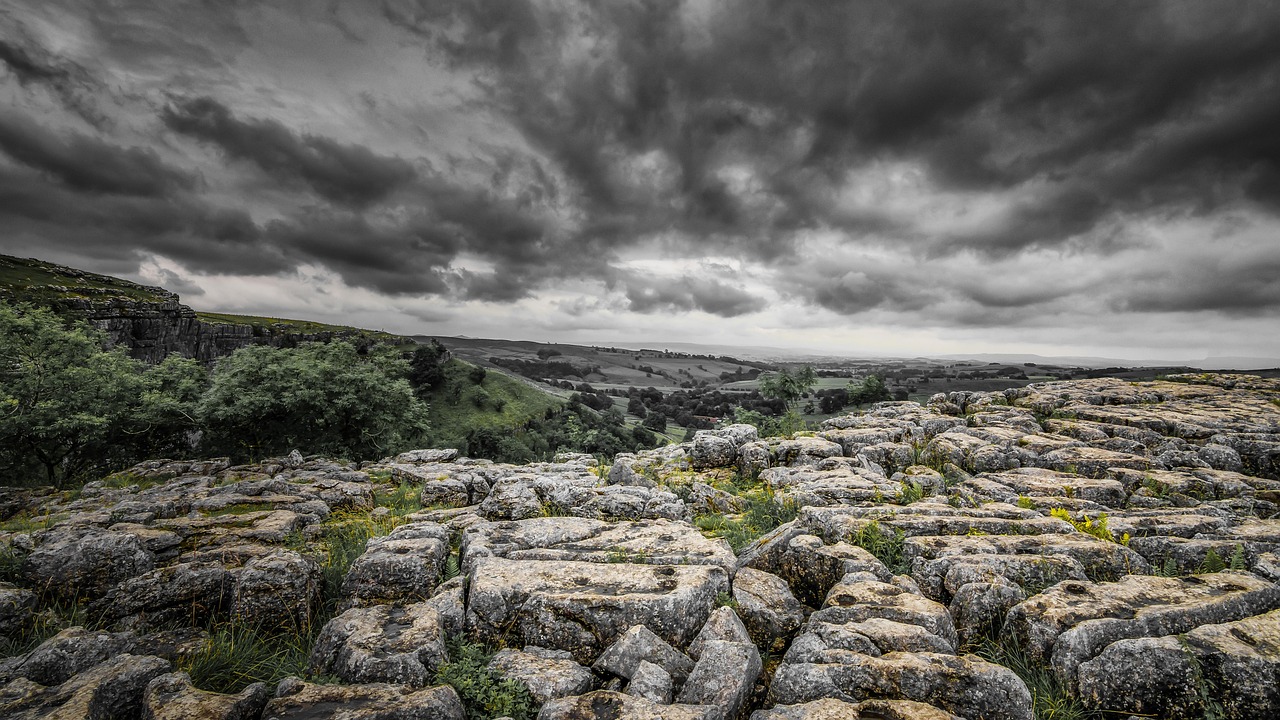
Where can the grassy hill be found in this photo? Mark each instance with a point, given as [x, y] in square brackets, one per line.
[271, 325]
[506, 402]
[43, 283]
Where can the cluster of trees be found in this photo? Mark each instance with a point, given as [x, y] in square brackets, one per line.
[576, 427]
[542, 369]
[871, 390]
[72, 410]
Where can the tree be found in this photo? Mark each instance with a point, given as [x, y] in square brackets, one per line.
[786, 386]
[426, 367]
[70, 409]
[871, 390]
[319, 398]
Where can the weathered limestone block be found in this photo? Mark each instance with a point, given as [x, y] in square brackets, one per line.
[549, 674]
[805, 451]
[723, 677]
[873, 636]
[641, 644]
[1234, 664]
[618, 706]
[188, 593]
[724, 624]
[403, 566]
[1033, 561]
[172, 697]
[1094, 462]
[511, 499]
[17, 610]
[1043, 482]
[809, 566]
[651, 683]
[966, 686]
[276, 590]
[296, 700]
[1074, 621]
[855, 599]
[71, 651]
[383, 643]
[978, 609]
[833, 484]
[582, 607]
[85, 560]
[428, 455]
[929, 518]
[766, 606]
[829, 709]
[573, 538]
[111, 689]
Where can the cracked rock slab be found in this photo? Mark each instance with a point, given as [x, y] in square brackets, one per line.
[583, 607]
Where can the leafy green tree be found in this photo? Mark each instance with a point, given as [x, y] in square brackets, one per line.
[787, 386]
[871, 390]
[426, 366]
[319, 398]
[70, 409]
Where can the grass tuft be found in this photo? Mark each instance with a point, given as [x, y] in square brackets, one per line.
[485, 694]
[763, 513]
[885, 543]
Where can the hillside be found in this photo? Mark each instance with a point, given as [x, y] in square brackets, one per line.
[498, 402]
[151, 322]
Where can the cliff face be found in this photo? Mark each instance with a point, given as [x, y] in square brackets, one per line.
[151, 322]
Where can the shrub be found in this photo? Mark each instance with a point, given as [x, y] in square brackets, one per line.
[485, 694]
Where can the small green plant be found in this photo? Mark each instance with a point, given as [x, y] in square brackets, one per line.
[1155, 487]
[1096, 527]
[25, 523]
[402, 500]
[622, 555]
[1169, 568]
[1212, 563]
[1026, 503]
[885, 543]
[1206, 691]
[485, 694]
[1238, 562]
[910, 492]
[724, 599]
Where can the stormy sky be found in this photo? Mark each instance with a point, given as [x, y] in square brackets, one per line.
[900, 177]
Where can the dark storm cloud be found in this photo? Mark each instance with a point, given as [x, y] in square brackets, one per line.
[345, 174]
[1247, 289]
[648, 294]
[1113, 107]
[69, 82]
[84, 163]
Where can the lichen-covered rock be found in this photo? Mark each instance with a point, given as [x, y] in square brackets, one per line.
[639, 644]
[873, 636]
[85, 561]
[186, 593]
[549, 674]
[966, 686]
[1075, 621]
[723, 624]
[583, 607]
[619, 706]
[383, 643]
[296, 700]
[1229, 669]
[172, 697]
[71, 651]
[719, 448]
[403, 566]
[723, 677]
[829, 709]
[809, 566]
[651, 683]
[276, 590]
[111, 689]
[17, 610]
[856, 599]
[766, 606]
[655, 542]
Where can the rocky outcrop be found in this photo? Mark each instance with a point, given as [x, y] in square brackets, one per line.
[1122, 537]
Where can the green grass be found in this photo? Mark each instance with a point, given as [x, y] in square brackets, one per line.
[1050, 700]
[403, 499]
[451, 414]
[885, 543]
[1096, 527]
[485, 694]
[763, 513]
[43, 283]
[56, 615]
[236, 656]
[267, 325]
[24, 522]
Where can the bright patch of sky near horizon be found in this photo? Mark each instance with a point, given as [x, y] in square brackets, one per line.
[892, 177]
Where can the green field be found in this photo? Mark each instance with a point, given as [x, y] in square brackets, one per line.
[453, 410]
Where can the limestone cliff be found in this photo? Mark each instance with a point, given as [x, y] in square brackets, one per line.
[151, 322]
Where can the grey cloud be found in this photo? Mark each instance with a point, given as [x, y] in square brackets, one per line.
[84, 163]
[648, 294]
[344, 174]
